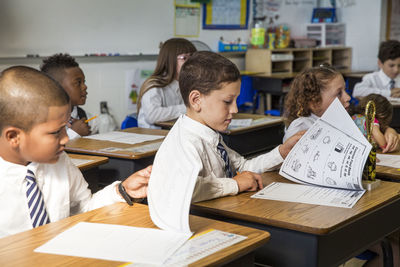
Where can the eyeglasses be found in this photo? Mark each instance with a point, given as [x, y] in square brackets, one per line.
[183, 57]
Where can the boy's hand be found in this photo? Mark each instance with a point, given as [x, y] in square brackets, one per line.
[395, 92]
[79, 126]
[248, 181]
[392, 140]
[285, 148]
[136, 184]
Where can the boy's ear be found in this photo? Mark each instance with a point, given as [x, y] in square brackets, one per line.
[195, 100]
[380, 63]
[12, 135]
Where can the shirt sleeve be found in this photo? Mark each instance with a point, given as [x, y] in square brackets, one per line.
[81, 198]
[152, 107]
[296, 126]
[367, 86]
[209, 187]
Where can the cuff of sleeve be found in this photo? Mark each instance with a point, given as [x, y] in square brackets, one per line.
[72, 134]
[230, 187]
[277, 155]
[114, 192]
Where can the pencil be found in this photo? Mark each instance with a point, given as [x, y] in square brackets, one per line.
[92, 118]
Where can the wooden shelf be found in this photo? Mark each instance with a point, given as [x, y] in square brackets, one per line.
[261, 60]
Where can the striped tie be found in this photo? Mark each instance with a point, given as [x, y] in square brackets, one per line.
[35, 201]
[392, 82]
[224, 156]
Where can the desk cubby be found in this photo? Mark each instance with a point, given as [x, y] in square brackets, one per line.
[292, 60]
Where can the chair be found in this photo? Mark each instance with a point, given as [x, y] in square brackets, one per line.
[129, 122]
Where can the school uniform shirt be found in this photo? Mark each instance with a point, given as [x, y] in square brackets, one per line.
[65, 193]
[299, 124]
[161, 104]
[78, 113]
[375, 83]
[191, 145]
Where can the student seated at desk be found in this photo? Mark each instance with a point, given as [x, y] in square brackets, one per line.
[311, 93]
[39, 183]
[159, 97]
[66, 71]
[386, 81]
[383, 117]
[209, 85]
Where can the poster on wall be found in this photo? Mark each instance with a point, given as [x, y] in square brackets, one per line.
[226, 14]
[133, 81]
[393, 20]
[187, 18]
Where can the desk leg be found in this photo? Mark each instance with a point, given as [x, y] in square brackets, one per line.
[387, 252]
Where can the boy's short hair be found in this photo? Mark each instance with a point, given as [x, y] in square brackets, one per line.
[389, 50]
[56, 64]
[25, 96]
[206, 71]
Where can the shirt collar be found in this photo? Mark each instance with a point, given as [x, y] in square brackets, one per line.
[74, 112]
[205, 132]
[384, 78]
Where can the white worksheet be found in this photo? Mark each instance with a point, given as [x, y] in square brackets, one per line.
[116, 242]
[331, 153]
[308, 194]
[124, 137]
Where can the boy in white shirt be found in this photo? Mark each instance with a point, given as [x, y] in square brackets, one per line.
[38, 182]
[386, 81]
[209, 85]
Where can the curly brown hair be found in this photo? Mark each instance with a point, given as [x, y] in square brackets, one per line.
[305, 89]
[383, 109]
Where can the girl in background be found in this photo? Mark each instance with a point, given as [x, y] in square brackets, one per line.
[159, 97]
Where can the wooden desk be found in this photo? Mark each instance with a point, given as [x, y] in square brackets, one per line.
[94, 161]
[17, 250]
[310, 235]
[252, 139]
[388, 173]
[122, 163]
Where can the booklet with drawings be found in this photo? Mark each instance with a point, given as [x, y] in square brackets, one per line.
[332, 153]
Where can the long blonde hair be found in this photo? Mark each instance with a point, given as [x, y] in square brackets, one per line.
[165, 71]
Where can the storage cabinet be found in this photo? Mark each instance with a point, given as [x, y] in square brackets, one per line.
[292, 60]
[327, 34]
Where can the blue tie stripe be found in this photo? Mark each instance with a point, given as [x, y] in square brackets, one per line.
[392, 83]
[224, 155]
[36, 205]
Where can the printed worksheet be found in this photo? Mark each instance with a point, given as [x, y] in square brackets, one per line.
[331, 153]
[124, 137]
[388, 160]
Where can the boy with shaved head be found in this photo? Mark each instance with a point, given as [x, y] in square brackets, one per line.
[38, 182]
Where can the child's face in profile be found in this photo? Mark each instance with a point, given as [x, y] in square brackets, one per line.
[45, 141]
[390, 67]
[335, 88]
[74, 84]
[218, 107]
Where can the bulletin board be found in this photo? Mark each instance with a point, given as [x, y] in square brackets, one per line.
[393, 20]
[226, 14]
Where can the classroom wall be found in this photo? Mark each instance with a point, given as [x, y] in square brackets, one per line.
[49, 26]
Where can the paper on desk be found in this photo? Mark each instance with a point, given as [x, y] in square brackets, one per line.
[388, 160]
[124, 137]
[236, 123]
[308, 194]
[115, 242]
[80, 162]
[199, 246]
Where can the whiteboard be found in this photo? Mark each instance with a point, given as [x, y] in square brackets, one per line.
[45, 27]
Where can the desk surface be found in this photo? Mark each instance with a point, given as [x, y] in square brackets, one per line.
[306, 218]
[263, 121]
[388, 172]
[18, 249]
[95, 147]
[94, 161]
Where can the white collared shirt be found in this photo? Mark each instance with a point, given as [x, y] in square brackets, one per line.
[65, 192]
[375, 83]
[161, 104]
[299, 124]
[197, 144]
